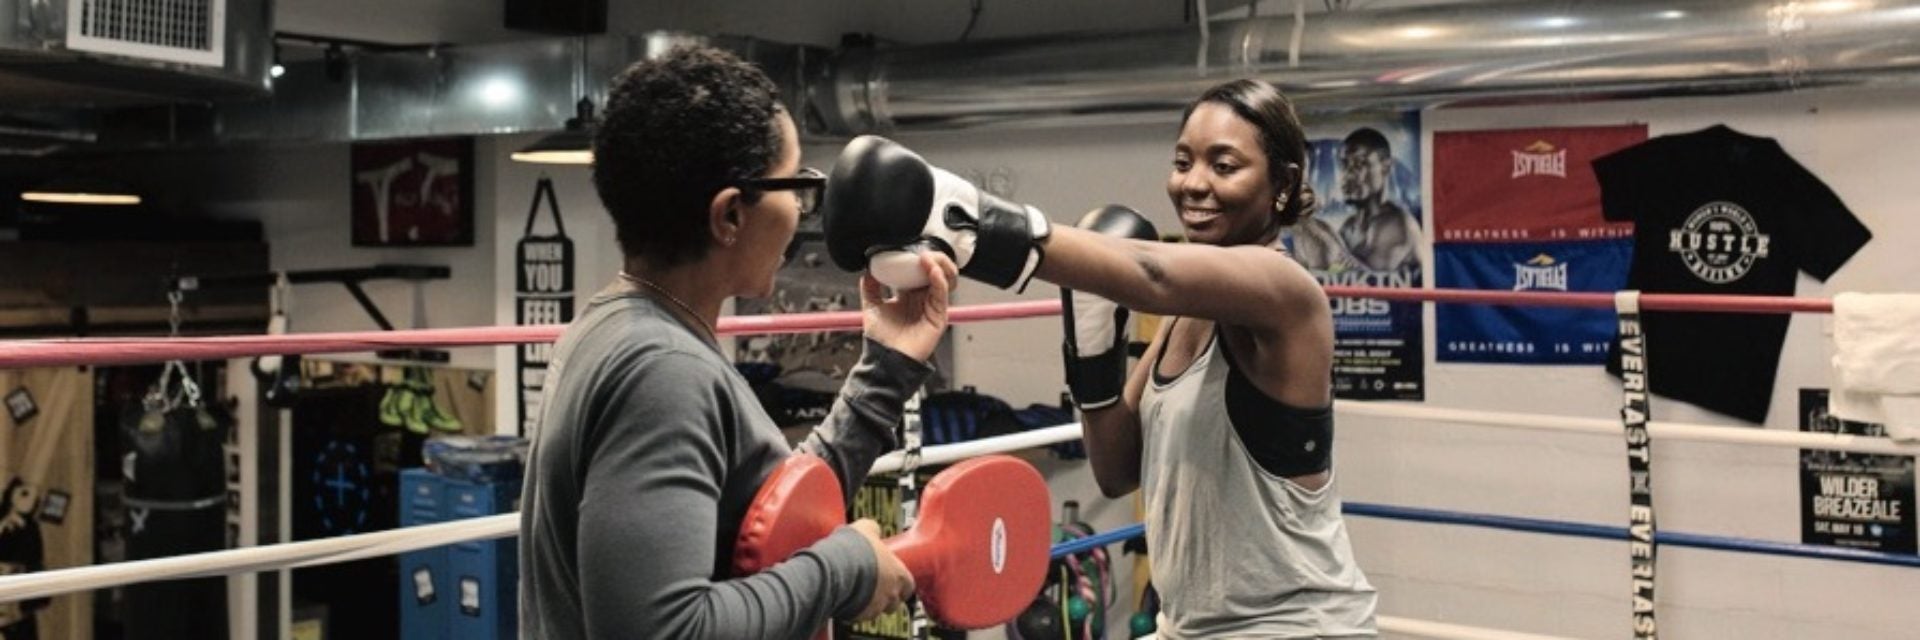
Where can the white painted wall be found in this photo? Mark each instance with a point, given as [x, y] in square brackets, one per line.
[1496, 579]
[302, 198]
[1521, 581]
[1516, 581]
[1578, 588]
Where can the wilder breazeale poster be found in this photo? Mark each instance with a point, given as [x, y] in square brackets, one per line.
[1852, 500]
[1368, 232]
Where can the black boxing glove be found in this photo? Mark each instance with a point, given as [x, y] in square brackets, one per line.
[1096, 328]
[884, 204]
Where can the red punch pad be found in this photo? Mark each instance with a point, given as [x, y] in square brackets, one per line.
[799, 504]
[981, 545]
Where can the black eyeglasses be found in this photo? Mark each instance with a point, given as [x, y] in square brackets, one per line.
[807, 185]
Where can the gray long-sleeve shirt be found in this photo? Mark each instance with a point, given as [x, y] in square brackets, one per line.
[649, 450]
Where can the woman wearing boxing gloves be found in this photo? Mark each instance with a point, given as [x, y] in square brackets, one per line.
[650, 446]
[1226, 425]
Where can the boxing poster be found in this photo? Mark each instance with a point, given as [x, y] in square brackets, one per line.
[1856, 500]
[1519, 210]
[543, 294]
[1368, 232]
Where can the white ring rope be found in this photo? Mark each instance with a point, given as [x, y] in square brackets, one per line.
[355, 547]
[1669, 431]
[265, 558]
[368, 545]
[1445, 631]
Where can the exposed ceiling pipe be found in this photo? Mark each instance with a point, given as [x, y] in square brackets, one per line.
[1505, 51]
[1485, 52]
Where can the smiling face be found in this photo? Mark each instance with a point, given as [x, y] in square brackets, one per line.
[1220, 185]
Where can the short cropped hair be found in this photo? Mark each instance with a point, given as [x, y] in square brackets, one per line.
[677, 130]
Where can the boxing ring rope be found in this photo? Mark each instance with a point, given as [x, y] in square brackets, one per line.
[355, 547]
[108, 351]
[1592, 300]
[111, 351]
[17, 354]
[1667, 431]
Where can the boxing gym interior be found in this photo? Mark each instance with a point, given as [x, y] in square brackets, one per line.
[1623, 325]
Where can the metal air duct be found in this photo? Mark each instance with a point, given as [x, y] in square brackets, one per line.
[1484, 52]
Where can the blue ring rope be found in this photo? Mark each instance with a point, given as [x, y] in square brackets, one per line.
[1554, 527]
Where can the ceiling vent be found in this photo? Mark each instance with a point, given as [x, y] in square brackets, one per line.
[92, 54]
[183, 31]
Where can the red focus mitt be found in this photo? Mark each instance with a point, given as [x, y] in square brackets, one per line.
[978, 553]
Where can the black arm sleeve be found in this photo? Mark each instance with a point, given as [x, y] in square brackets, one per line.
[860, 426]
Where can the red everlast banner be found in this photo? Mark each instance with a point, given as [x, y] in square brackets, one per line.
[1519, 210]
[1524, 185]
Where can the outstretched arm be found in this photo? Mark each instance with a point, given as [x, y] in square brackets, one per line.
[1246, 286]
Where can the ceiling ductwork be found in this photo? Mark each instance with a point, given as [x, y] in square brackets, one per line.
[367, 94]
[1483, 52]
[70, 54]
[1487, 52]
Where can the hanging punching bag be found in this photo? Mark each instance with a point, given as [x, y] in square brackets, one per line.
[176, 501]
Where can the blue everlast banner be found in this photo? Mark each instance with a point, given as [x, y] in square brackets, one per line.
[1519, 210]
[1527, 335]
[1368, 232]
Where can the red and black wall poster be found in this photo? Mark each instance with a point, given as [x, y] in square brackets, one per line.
[1856, 500]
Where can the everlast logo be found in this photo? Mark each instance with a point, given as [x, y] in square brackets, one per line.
[1719, 243]
[1540, 159]
[1540, 273]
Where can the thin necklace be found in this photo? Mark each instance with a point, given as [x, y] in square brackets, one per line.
[711, 332]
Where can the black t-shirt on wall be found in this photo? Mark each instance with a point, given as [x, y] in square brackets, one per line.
[1717, 211]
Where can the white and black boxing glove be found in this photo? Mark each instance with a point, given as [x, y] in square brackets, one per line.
[884, 204]
[1096, 337]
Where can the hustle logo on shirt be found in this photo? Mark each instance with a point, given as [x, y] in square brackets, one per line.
[1540, 159]
[1542, 273]
[1719, 243]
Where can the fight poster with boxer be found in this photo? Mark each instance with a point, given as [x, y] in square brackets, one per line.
[1519, 210]
[1856, 500]
[1368, 232]
[543, 294]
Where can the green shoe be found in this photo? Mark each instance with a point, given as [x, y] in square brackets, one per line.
[390, 407]
[411, 408]
[439, 420]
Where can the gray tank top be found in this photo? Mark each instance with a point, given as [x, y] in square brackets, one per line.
[1237, 551]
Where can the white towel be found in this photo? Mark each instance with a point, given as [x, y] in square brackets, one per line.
[1876, 361]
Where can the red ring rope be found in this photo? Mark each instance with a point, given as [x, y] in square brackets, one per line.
[116, 351]
[1597, 300]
